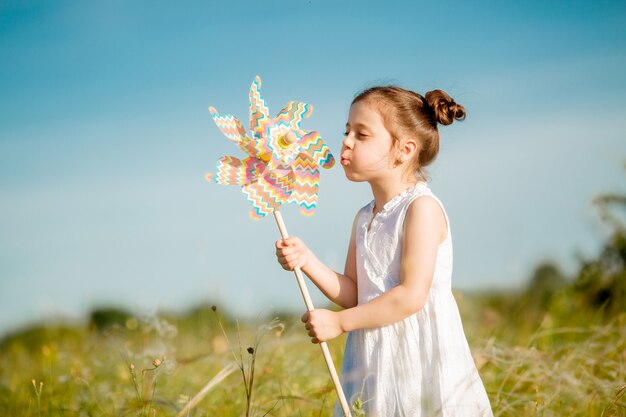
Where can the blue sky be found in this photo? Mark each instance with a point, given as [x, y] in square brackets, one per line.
[105, 138]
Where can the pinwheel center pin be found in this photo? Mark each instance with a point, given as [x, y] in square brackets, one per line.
[287, 139]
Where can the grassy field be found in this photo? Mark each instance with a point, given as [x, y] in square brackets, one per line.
[532, 364]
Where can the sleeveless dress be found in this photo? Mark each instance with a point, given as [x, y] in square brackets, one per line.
[420, 366]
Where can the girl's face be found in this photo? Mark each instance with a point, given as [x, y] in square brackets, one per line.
[365, 154]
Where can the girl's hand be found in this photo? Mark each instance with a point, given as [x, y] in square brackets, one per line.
[322, 325]
[292, 253]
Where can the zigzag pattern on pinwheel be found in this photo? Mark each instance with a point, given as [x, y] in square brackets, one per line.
[230, 126]
[306, 199]
[253, 194]
[307, 203]
[313, 144]
[255, 148]
[264, 196]
[304, 162]
[259, 114]
[232, 171]
[255, 214]
[307, 176]
[305, 189]
[280, 186]
[293, 113]
[307, 212]
[307, 179]
[254, 168]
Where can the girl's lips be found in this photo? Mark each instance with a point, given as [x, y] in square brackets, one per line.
[344, 161]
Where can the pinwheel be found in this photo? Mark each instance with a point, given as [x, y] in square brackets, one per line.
[282, 166]
[282, 163]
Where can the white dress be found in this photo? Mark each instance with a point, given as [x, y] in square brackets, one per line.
[420, 366]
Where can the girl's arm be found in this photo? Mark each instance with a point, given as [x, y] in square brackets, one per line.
[424, 229]
[339, 288]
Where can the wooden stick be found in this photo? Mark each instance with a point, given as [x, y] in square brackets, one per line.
[309, 307]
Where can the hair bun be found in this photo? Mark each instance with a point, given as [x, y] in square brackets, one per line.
[445, 109]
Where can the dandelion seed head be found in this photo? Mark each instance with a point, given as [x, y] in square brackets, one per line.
[275, 325]
[162, 327]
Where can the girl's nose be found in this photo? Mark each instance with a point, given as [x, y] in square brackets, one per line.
[348, 141]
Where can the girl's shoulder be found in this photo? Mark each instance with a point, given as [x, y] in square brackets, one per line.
[366, 208]
[429, 212]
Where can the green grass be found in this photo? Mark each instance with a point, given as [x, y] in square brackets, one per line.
[533, 364]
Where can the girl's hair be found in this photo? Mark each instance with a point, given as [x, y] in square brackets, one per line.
[407, 114]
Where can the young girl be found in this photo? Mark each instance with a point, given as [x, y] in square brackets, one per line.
[406, 352]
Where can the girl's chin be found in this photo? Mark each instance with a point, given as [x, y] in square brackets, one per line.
[351, 176]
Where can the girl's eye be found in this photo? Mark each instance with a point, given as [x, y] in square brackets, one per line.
[346, 133]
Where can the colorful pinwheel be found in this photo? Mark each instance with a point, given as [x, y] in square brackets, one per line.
[281, 167]
[276, 171]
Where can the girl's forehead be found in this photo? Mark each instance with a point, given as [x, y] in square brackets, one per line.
[364, 114]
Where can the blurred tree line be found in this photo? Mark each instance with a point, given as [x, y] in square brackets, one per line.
[595, 294]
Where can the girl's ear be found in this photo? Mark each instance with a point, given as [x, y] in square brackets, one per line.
[408, 148]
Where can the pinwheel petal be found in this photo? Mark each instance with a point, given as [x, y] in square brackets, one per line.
[293, 113]
[259, 114]
[230, 126]
[232, 171]
[305, 187]
[313, 145]
[266, 194]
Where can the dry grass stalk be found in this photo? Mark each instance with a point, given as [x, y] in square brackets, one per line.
[227, 370]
